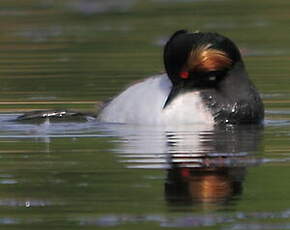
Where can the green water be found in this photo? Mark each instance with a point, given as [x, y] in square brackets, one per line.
[74, 53]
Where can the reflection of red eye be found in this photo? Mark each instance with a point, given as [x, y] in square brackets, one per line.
[185, 172]
[184, 75]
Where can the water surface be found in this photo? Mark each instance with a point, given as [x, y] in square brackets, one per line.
[73, 175]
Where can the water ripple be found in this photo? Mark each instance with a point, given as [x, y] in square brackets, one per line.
[207, 220]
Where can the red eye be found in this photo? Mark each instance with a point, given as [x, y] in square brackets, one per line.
[184, 75]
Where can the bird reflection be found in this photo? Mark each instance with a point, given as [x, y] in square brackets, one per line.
[216, 176]
[204, 185]
[204, 164]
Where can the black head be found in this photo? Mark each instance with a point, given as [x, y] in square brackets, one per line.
[199, 59]
[212, 63]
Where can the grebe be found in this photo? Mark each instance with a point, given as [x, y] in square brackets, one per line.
[205, 82]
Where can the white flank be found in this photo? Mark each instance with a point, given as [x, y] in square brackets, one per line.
[143, 103]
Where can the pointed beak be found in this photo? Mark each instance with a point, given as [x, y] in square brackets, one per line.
[173, 93]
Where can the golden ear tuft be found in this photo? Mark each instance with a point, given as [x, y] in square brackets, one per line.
[205, 58]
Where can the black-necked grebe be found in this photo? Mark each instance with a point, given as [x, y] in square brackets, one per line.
[205, 82]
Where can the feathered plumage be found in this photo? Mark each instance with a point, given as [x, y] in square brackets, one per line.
[205, 58]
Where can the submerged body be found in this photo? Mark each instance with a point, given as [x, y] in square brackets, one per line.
[142, 103]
